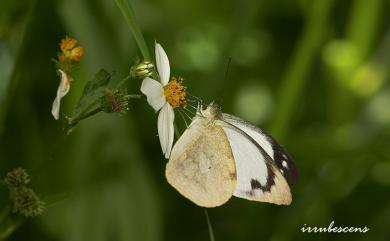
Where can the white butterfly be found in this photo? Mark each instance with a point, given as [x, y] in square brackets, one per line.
[220, 155]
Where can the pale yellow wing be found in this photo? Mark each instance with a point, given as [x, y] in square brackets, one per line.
[201, 166]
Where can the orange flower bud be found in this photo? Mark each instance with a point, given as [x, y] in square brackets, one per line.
[76, 54]
[67, 44]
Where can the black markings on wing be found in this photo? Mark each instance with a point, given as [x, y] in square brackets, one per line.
[255, 184]
[281, 158]
[284, 162]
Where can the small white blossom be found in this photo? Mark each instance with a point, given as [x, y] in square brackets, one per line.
[154, 91]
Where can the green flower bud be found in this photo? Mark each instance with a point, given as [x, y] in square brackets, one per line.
[115, 101]
[142, 70]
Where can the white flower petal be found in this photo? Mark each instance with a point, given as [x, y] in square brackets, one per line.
[154, 92]
[165, 127]
[162, 63]
[62, 90]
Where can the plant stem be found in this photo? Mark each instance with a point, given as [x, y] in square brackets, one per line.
[135, 96]
[9, 229]
[211, 232]
[4, 213]
[123, 81]
[299, 66]
[12, 75]
[128, 13]
[362, 30]
[84, 115]
[73, 121]
[364, 24]
[8, 223]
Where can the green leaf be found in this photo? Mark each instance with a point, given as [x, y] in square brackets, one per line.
[92, 92]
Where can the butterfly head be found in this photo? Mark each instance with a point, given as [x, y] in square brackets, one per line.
[212, 112]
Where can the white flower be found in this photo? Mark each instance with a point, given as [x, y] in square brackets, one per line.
[62, 90]
[160, 96]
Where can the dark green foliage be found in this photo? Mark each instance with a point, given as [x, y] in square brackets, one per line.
[93, 92]
[314, 74]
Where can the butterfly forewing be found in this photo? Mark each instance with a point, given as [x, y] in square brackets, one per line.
[201, 166]
[279, 155]
[258, 178]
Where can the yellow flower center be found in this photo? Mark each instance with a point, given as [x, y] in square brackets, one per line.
[175, 92]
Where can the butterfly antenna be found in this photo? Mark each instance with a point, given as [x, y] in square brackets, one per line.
[199, 100]
[183, 117]
[227, 69]
[188, 112]
[199, 107]
[193, 107]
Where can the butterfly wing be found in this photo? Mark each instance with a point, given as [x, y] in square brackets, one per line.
[258, 179]
[283, 161]
[201, 166]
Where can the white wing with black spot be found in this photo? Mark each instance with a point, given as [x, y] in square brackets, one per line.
[279, 155]
[258, 178]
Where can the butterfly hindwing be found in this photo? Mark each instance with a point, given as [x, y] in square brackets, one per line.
[201, 166]
[279, 155]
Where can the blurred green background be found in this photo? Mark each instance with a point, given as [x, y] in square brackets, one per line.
[314, 74]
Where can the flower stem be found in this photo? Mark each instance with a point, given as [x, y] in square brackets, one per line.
[135, 96]
[128, 14]
[4, 213]
[8, 223]
[9, 229]
[123, 81]
[211, 232]
[73, 121]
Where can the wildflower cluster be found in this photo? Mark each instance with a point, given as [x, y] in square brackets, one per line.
[68, 59]
[163, 91]
[25, 200]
